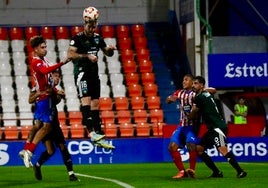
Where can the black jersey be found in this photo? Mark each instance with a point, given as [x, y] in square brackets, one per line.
[209, 111]
[87, 45]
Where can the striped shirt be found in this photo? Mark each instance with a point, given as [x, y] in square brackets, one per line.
[186, 98]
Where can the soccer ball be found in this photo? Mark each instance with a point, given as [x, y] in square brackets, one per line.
[90, 14]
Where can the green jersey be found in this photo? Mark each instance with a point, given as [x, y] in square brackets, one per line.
[87, 45]
[209, 110]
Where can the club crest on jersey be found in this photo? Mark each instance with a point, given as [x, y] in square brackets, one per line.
[96, 40]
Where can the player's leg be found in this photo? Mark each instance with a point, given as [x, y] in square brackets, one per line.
[222, 148]
[175, 154]
[43, 158]
[207, 141]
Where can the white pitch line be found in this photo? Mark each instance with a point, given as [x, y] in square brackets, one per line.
[125, 185]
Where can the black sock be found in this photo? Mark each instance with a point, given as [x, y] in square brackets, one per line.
[67, 159]
[43, 158]
[96, 121]
[231, 159]
[87, 119]
[208, 161]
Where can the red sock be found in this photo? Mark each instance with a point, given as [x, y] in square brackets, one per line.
[30, 146]
[192, 159]
[176, 156]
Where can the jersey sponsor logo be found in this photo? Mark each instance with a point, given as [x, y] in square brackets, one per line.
[72, 42]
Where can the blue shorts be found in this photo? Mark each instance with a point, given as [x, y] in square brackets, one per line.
[43, 111]
[183, 135]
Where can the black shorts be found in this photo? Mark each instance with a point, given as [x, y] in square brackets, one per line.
[215, 137]
[87, 86]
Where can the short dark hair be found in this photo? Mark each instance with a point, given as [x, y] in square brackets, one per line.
[37, 40]
[200, 79]
[189, 75]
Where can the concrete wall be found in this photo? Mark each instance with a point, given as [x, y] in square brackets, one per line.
[69, 12]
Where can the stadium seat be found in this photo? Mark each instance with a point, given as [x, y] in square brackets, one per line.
[107, 116]
[107, 31]
[126, 54]
[11, 133]
[111, 130]
[24, 130]
[4, 43]
[73, 104]
[129, 66]
[51, 56]
[105, 103]
[140, 43]
[102, 67]
[121, 103]
[137, 102]
[114, 67]
[26, 119]
[30, 32]
[142, 53]
[150, 90]
[103, 78]
[47, 32]
[10, 119]
[153, 102]
[74, 117]
[116, 78]
[63, 44]
[17, 45]
[140, 116]
[16, 33]
[105, 91]
[114, 58]
[3, 33]
[122, 31]
[157, 128]
[126, 129]
[137, 30]
[147, 77]
[77, 131]
[125, 43]
[123, 116]
[132, 78]
[134, 90]
[20, 68]
[143, 129]
[119, 90]
[8, 106]
[62, 32]
[5, 68]
[76, 29]
[156, 115]
[145, 66]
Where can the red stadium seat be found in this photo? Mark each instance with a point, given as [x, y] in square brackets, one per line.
[150, 90]
[122, 31]
[134, 90]
[137, 30]
[30, 32]
[125, 43]
[47, 32]
[111, 130]
[105, 103]
[153, 102]
[78, 131]
[16, 33]
[62, 32]
[137, 102]
[107, 31]
[129, 66]
[123, 116]
[143, 129]
[3, 33]
[140, 116]
[156, 115]
[127, 54]
[126, 129]
[147, 77]
[140, 43]
[145, 66]
[142, 53]
[107, 116]
[11, 133]
[132, 78]
[76, 29]
[121, 103]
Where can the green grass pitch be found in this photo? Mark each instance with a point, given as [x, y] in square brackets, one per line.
[133, 175]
